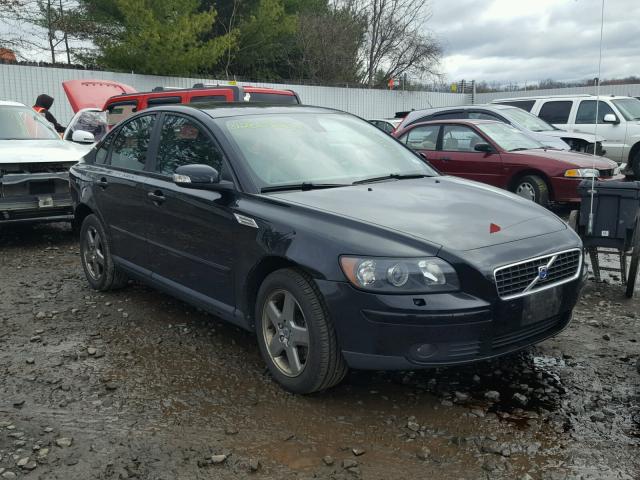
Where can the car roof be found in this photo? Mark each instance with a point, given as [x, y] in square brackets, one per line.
[461, 121]
[12, 104]
[560, 97]
[231, 109]
[414, 114]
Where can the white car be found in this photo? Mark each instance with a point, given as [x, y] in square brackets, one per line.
[34, 167]
[618, 120]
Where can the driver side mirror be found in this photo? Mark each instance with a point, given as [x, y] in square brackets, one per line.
[196, 176]
[610, 118]
[483, 147]
[82, 136]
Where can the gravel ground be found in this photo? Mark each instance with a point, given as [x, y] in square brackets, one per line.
[135, 384]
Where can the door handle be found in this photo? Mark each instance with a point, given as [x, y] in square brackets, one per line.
[103, 182]
[445, 158]
[156, 197]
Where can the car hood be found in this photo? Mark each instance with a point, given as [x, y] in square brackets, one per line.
[93, 93]
[573, 159]
[39, 151]
[572, 134]
[549, 140]
[453, 213]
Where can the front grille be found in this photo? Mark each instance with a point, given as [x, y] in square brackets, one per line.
[526, 277]
[606, 173]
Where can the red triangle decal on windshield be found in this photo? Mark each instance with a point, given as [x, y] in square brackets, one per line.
[493, 228]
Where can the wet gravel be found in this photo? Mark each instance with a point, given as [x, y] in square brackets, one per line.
[135, 384]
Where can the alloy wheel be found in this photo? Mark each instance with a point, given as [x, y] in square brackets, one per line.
[526, 190]
[94, 253]
[286, 333]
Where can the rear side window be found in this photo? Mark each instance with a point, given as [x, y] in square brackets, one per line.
[523, 104]
[273, 98]
[484, 116]
[184, 142]
[587, 112]
[449, 115]
[556, 112]
[422, 138]
[131, 144]
[208, 98]
[163, 101]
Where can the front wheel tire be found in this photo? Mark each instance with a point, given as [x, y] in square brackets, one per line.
[95, 253]
[534, 188]
[296, 336]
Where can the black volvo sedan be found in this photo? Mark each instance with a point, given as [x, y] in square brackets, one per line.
[335, 243]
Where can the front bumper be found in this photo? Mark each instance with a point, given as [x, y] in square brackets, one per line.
[395, 332]
[35, 197]
[565, 189]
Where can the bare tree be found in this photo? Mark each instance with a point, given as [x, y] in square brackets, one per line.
[396, 40]
[37, 26]
[330, 41]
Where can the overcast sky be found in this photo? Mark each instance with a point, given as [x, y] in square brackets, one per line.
[532, 40]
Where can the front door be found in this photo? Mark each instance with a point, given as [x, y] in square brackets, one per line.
[191, 231]
[458, 156]
[120, 191]
[614, 133]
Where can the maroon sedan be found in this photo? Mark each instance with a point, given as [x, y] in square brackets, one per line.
[500, 155]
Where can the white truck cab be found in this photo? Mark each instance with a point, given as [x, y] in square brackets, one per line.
[618, 120]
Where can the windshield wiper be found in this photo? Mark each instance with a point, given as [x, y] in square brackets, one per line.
[521, 148]
[301, 186]
[397, 176]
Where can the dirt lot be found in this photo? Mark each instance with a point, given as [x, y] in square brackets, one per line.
[135, 384]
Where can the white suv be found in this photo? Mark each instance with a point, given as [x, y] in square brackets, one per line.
[618, 120]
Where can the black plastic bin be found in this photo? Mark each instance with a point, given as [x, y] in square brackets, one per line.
[616, 206]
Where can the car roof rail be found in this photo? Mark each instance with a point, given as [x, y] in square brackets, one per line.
[536, 97]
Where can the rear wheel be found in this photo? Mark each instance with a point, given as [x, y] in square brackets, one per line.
[532, 188]
[296, 336]
[95, 253]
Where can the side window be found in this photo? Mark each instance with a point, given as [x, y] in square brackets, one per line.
[132, 142]
[449, 116]
[484, 116]
[422, 138]
[526, 105]
[151, 102]
[103, 151]
[117, 112]
[183, 142]
[556, 111]
[458, 138]
[92, 122]
[587, 112]
[208, 98]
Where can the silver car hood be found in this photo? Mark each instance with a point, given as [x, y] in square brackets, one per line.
[39, 151]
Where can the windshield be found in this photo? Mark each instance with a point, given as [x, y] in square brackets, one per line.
[294, 148]
[629, 108]
[509, 138]
[527, 120]
[22, 123]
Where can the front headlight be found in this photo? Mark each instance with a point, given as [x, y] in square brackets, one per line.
[582, 173]
[400, 275]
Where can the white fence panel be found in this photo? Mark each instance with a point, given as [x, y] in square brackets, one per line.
[631, 90]
[24, 83]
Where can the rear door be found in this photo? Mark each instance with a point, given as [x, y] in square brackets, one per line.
[458, 156]
[424, 140]
[120, 191]
[191, 231]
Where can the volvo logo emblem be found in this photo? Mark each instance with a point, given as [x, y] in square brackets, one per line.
[543, 272]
